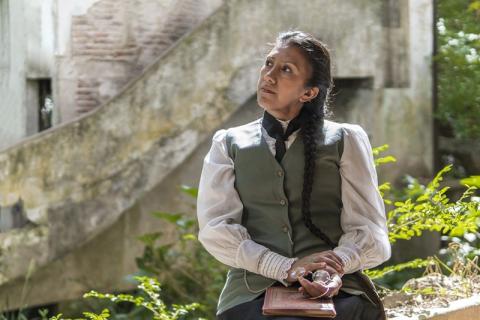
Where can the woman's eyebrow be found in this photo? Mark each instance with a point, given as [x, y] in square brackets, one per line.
[293, 63]
[287, 61]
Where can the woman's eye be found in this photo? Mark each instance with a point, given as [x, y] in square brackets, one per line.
[268, 63]
[287, 69]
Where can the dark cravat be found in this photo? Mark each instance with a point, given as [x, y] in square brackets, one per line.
[275, 130]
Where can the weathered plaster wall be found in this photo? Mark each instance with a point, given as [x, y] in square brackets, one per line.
[399, 102]
[26, 32]
[12, 71]
[120, 157]
[409, 109]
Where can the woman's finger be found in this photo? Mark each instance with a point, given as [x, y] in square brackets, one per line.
[331, 263]
[312, 288]
[315, 266]
[327, 254]
[335, 284]
[330, 270]
[332, 255]
[305, 283]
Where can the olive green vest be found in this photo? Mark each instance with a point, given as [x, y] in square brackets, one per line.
[271, 194]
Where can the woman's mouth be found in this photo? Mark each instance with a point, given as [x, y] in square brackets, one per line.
[267, 91]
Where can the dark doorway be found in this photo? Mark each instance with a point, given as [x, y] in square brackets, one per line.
[45, 104]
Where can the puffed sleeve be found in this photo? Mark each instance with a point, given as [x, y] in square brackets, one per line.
[364, 243]
[219, 213]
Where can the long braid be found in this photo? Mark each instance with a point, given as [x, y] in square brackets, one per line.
[316, 109]
[310, 151]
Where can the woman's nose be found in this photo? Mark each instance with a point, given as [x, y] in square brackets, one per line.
[269, 76]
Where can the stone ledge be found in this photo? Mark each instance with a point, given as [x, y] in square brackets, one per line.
[463, 309]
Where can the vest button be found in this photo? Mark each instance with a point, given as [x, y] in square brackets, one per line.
[280, 173]
[283, 202]
[285, 229]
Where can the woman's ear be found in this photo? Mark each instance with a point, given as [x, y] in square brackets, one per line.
[309, 94]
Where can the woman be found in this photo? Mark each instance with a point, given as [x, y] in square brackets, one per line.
[293, 190]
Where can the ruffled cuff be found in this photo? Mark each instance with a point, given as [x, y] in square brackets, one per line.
[350, 259]
[275, 266]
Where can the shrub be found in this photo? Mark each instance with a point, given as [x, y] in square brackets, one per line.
[458, 63]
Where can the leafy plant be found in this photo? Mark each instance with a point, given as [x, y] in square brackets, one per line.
[153, 303]
[471, 181]
[414, 264]
[89, 315]
[427, 208]
[186, 270]
[459, 66]
[433, 211]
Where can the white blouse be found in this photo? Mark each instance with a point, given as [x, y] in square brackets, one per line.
[364, 243]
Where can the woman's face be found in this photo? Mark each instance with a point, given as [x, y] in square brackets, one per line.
[281, 86]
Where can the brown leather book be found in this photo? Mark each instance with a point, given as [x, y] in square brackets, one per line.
[287, 301]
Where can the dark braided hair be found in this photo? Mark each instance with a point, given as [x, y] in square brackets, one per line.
[318, 56]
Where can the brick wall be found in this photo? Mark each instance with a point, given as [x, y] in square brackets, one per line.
[113, 43]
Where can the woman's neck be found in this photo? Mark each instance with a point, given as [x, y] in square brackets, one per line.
[284, 124]
[286, 114]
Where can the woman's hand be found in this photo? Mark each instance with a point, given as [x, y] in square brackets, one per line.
[326, 260]
[318, 289]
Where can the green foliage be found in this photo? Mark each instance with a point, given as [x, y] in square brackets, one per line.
[459, 66]
[471, 181]
[89, 315]
[414, 264]
[189, 190]
[186, 270]
[419, 208]
[385, 187]
[382, 160]
[432, 210]
[152, 303]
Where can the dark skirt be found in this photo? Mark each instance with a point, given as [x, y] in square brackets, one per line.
[348, 307]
